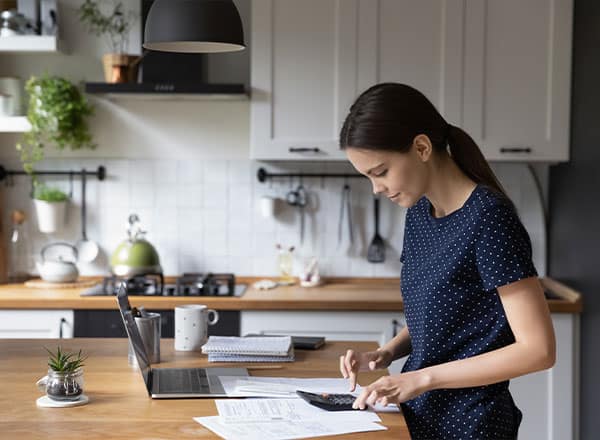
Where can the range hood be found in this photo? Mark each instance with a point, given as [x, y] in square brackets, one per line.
[174, 75]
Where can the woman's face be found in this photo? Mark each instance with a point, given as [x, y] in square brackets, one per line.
[402, 177]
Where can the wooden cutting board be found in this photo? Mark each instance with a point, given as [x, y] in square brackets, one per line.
[38, 283]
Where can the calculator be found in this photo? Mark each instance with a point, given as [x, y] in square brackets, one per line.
[329, 402]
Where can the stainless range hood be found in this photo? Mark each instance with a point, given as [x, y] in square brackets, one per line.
[185, 75]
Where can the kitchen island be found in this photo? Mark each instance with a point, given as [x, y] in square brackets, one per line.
[119, 406]
[357, 309]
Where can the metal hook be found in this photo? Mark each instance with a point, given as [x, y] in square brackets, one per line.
[70, 184]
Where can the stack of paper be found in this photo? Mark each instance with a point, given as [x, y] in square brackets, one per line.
[276, 419]
[249, 349]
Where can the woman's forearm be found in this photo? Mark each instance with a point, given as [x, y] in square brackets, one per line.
[399, 346]
[495, 366]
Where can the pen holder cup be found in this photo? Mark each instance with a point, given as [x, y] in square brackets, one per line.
[149, 328]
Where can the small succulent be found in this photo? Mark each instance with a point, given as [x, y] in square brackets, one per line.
[65, 362]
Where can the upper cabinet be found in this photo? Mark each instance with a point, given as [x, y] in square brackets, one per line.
[498, 68]
[517, 78]
[303, 68]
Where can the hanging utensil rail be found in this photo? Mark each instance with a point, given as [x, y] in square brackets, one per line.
[100, 173]
[263, 175]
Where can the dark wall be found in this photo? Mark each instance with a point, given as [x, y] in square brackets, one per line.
[574, 241]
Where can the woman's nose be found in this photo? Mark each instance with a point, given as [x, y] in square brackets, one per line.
[378, 188]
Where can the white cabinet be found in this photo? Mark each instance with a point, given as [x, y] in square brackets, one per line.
[303, 69]
[36, 324]
[517, 78]
[311, 59]
[501, 69]
[333, 325]
[549, 399]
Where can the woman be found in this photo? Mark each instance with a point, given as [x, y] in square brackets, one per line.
[475, 310]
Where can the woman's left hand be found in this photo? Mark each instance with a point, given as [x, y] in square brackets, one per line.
[393, 389]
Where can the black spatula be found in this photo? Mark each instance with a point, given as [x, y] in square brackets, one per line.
[376, 250]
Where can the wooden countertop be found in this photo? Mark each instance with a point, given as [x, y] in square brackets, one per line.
[365, 294]
[119, 405]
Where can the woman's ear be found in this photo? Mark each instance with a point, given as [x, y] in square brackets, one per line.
[423, 147]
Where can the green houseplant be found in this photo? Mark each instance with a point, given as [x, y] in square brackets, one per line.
[113, 23]
[65, 375]
[50, 206]
[57, 114]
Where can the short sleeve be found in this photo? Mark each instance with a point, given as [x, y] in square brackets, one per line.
[503, 248]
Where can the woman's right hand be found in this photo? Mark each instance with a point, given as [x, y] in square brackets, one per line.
[353, 362]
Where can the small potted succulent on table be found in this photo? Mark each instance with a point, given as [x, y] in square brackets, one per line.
[64, 381]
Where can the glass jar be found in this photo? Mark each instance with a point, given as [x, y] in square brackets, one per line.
[62, 386]
[285, 264]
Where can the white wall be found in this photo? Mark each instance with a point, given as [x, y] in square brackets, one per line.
[183, 167]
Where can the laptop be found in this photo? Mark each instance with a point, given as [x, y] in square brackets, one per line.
[172, 383]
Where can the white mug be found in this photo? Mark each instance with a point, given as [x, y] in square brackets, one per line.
[191, 326]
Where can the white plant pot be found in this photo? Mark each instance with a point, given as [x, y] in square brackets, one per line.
[50, 215]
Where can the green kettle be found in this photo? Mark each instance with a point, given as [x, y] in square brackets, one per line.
[135, 256]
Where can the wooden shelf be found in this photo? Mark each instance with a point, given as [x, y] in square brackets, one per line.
[13, 124]
[29, 43]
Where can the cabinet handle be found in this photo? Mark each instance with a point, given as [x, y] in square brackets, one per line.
[63, 321]
[395, 325]
[516, 149]
[304, 150]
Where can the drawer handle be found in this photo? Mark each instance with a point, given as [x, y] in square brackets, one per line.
[526, 150]
[395, 325]
[63, 321]
[304, 150]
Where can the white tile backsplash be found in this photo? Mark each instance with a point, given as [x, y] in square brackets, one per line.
[203, 215]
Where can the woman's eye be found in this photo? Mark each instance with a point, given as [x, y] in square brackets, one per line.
[383, 173]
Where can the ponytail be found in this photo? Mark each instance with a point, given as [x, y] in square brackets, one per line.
[470, 160]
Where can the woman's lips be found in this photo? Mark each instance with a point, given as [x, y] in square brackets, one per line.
[394, 196]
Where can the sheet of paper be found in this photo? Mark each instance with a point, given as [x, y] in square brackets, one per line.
[284, 429]
[285, 387]
[244, 386]
[257, 410]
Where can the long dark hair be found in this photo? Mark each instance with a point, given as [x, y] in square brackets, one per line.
[388, 116]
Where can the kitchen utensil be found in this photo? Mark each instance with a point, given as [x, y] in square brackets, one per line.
[299, 198]
[135, 256]
[376, 250]
[58, 270]
[88, 250]
[345, 205]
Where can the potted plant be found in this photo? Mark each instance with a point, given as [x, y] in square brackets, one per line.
[50, 206]
[57, 114]
[64, 381]
[115, 26]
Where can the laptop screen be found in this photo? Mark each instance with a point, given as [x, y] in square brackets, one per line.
[132, 331]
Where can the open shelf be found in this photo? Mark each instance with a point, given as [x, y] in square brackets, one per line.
[29, 43]
[13, 124]
[168, 91]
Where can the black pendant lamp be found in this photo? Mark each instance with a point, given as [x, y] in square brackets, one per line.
[194, 26]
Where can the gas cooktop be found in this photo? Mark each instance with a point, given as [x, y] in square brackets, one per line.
[188, 284]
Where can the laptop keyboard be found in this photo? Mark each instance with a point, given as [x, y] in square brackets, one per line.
[182, 380]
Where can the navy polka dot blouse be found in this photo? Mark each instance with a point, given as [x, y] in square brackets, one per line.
[451, 269]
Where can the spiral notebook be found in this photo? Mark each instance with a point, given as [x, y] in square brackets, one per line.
[249, 349]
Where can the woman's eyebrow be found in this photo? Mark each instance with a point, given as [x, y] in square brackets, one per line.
[374, 168]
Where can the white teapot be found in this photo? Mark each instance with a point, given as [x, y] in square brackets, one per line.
[58, 270]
